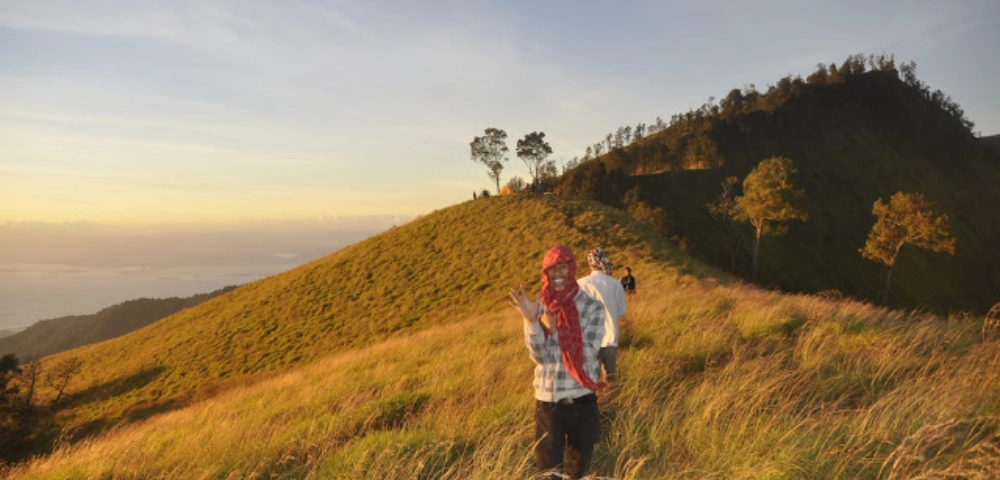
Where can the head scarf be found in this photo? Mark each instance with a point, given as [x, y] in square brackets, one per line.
[598, 259]
[568, 323]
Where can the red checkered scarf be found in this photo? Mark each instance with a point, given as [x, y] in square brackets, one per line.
[568, 324]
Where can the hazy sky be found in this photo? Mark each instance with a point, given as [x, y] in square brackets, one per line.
[213, 110]
[53, 270]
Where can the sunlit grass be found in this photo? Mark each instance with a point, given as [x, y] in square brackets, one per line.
[717, 381]
[445, 267]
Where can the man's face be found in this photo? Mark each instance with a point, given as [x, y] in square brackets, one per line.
[557, 276]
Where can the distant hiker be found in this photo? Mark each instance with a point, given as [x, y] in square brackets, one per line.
[602, 286]
[473, 194]
[563, 332]
[628, 281]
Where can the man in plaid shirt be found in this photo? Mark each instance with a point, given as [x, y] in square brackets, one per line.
[563, 333]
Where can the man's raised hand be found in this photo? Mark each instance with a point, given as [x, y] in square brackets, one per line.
[525, 305]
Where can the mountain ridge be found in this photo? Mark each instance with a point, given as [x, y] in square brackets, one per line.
[992, 142]
[54, 335]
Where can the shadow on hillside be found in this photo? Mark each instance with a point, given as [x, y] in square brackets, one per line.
[118, 388]
[40, 434]
[596, 221]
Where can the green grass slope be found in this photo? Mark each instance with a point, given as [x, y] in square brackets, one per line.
[852, 142]
[718, 380]
[446, 267]
[58, 334]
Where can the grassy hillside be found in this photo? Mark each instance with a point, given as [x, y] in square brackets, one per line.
[718, 379]
[853, 141]
[58, 334]
[446, 267]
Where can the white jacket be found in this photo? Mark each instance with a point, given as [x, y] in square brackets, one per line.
[610, 292]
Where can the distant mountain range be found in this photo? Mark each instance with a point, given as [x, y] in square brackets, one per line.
[992, 142]
[58, 334]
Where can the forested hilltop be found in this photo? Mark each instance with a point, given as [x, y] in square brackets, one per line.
[856, 133]
[64, 333]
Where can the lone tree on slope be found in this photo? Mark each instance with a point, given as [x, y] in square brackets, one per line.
[907, 218]
[770, 197]
[490, 150]
[532, 150]
[59, 376]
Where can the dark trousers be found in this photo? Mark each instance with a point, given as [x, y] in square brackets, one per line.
[566, 429]
[608, 357]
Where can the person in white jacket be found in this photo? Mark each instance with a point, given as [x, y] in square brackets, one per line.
[602, 286]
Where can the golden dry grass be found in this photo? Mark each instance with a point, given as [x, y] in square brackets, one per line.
[438, 269]
[717, 381]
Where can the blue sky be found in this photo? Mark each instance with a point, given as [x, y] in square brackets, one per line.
[132, 111]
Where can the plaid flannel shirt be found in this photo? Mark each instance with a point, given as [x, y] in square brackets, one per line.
[552, 381]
